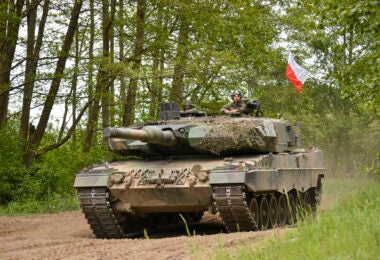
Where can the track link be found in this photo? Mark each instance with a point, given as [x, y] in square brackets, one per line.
[96, 206]
[230, 202]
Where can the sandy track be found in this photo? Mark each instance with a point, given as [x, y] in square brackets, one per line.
[67, 236]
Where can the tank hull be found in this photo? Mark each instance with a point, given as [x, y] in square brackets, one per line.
[123, 198]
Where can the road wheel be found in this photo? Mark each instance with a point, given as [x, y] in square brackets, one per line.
[292, 211]
[264, 213]
[282, 210]
[273, 217]
[254, 207]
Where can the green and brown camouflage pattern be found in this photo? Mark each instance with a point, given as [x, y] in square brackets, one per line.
[206, 135]
[225, 165]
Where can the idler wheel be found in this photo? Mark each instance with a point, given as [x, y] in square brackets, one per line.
[292, 210]
[273, 217]
[282, 210]
[254, 207]
[264, 213]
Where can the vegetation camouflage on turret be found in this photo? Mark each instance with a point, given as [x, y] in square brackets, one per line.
[231, 136]
[246, 169]
[208, 135]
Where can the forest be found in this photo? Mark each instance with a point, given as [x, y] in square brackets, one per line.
[68, 69]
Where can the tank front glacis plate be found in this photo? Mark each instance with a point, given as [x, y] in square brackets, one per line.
[162, 185]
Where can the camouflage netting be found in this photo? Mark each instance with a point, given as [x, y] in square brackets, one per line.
[229, 137]
[216, 121]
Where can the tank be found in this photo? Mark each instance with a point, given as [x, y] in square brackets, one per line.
[250, 171]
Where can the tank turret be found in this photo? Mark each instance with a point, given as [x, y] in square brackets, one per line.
[206, 135]
[249, 170]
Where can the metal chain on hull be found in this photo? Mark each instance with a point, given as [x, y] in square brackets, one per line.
[230, 202]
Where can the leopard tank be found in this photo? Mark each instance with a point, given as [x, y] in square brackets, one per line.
[251, 171]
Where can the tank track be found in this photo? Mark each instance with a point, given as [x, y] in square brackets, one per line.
[230, 202]
[96, 206]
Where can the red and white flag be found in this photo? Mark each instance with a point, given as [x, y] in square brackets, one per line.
[296, 74]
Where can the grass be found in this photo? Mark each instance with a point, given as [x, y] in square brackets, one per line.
[349, 230]
[53, 204]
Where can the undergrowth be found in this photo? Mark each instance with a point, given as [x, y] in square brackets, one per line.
[53, 204]
[350, 230]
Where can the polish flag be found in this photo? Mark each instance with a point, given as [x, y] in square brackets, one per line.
[296, 74]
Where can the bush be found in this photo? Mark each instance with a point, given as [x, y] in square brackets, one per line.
[51, 177]
[12, 170]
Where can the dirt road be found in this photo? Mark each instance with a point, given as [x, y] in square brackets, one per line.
[67, 236]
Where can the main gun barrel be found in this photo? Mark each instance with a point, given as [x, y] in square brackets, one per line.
[148, 134]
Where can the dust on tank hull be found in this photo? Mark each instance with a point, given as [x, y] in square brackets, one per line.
[249, 170]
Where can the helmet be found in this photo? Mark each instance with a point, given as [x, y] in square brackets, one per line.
[236, 92]
[188, 103]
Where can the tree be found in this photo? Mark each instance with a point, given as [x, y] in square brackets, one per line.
[181, 56]
[36, 137]
[338, 35]
[92, 100]
[33, 48]
[129, 108]
[11, 16]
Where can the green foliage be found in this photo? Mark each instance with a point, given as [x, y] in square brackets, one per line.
[234, 45]
[55, 171]
[350, 230]
[343, 38]
[48, 185]
[12, 172]
[340, 108]
[50, 204]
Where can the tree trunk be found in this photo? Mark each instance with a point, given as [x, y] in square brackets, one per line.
[157, 69]
[105, 92]
[74, 84]
[129, 109]
[101, 95]
[9, 28]
[54, 87]
[92, 118]
[123, 87]
[111, 99]
[176, 93]
[33, 54]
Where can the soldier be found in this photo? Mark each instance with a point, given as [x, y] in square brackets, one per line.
[237, 106]
[188, 107]
[190, 110]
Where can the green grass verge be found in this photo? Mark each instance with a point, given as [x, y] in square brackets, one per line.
[53, 204]
[349, 230]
